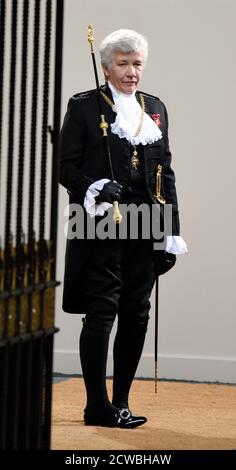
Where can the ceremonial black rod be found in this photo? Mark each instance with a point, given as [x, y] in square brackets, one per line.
[156, 329]
[117, 217]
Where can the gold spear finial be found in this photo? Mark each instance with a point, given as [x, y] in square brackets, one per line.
[90, 36]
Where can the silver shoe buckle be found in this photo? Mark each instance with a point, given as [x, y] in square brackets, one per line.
[125, 413]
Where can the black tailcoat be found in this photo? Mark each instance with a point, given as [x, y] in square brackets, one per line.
[82, 161]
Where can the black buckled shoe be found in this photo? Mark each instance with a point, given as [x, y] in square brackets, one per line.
[92, 418]
[122, 419]
[127, 421]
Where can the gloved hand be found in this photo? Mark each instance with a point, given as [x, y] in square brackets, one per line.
[110, 192]
[164, 261]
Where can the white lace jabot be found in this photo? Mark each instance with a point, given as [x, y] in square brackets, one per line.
[128, 118]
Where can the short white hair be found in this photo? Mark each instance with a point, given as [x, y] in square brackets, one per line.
[122, 40]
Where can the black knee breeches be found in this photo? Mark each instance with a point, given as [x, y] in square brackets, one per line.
[119, 279]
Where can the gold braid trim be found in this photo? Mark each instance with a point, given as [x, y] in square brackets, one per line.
[107, 99]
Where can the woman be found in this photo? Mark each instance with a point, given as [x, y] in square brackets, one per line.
[109, 277]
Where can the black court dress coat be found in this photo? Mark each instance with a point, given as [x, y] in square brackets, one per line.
[82, 162]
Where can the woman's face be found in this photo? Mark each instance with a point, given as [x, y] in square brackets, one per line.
[125, 71]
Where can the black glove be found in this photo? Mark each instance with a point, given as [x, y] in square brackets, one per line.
[164, 261]
[110, 192]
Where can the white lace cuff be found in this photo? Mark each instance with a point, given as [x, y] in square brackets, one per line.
[176, 245]
[89, 201]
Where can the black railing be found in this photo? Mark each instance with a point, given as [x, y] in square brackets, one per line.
[29, 100]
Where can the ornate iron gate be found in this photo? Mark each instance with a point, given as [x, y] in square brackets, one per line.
[30, 98]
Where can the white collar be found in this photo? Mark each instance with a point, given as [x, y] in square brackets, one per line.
[118, 94]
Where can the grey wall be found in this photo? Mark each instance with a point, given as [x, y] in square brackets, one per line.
[191, 67]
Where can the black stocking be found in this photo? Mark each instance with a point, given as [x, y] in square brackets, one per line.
[93, 355]
[127, 351]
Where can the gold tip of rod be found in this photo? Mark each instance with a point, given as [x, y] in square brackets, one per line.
[90, 34]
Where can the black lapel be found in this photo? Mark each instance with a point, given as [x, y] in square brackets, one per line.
[137, 95]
